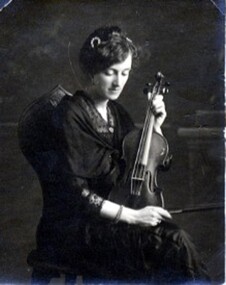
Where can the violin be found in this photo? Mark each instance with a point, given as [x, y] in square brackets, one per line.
[145, 152]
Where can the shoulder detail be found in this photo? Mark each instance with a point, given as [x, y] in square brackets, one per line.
[43, 105]
[56, 94]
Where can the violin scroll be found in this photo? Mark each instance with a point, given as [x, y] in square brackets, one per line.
[161, 86]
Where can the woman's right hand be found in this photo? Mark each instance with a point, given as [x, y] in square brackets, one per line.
[150, 216]
[147, 216]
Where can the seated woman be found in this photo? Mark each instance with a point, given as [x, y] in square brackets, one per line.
[81, 164]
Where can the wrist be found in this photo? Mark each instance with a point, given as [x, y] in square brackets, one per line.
[112, 211]
[128, 215]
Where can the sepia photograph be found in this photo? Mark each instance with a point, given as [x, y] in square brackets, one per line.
[112, 144]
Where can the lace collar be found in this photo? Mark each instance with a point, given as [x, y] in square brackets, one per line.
[99, 124]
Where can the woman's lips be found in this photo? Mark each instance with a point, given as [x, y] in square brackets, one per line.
[115, 90]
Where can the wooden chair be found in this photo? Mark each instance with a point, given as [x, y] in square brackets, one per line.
[32, 129]
[44, 271]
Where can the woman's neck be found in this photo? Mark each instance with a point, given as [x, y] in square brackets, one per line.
[100, 103]
[102, 109]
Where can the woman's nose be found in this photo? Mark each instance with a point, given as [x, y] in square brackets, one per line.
[117, 80]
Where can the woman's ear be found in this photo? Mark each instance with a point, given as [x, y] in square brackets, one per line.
[91, 79]
[94, 80]
[88, 79]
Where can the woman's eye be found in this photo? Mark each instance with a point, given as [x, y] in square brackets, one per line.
[109, 72]
[125, 73]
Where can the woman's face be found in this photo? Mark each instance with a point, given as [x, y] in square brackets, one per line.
[109, 83]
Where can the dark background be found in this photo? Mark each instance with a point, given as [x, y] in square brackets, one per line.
[184, 39]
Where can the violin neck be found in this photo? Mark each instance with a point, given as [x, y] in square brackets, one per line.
[142, 156]
[146, 137]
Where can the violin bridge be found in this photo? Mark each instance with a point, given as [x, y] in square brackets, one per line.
[137, 179]
[136, 186]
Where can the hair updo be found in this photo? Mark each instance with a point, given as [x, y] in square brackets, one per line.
[104, 47]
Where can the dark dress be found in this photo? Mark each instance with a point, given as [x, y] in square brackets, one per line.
[80, 150]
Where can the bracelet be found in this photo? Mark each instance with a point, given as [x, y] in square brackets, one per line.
[118, 215]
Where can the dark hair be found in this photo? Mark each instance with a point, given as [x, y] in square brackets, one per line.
[104, 47]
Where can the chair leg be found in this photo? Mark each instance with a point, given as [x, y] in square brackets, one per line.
[39, 277]
[70, 279]
[79, 280]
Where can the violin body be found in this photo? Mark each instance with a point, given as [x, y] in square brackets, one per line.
[150, 193]
[145, 152]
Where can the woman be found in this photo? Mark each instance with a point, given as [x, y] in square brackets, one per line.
[80, 226]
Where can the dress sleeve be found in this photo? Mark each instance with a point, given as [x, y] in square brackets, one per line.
[93, 201]
[90, 202]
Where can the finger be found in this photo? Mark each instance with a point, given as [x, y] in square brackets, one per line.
[158, 104]
[159, 108]
[156, 216]
[160, 217]
[156, 222]
[156, 210]
[164, 213]
[158, 98]
[160, 112]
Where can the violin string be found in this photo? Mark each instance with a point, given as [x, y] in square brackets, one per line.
[139, 170]
[137, 166]
[147, 125]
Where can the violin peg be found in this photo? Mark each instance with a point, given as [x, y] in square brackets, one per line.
[165, 88]
[167, 83]
[159, 76]
[147, 89]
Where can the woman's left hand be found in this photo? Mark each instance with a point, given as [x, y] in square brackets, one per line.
[159, 110]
